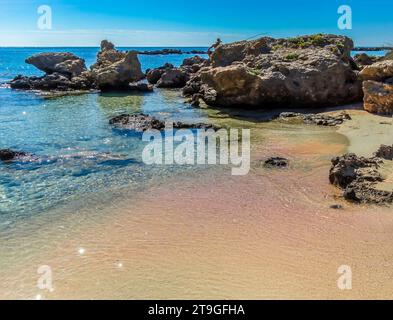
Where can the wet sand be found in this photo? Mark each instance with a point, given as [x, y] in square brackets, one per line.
[268, 235]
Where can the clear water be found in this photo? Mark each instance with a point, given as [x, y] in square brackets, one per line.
[77, 153]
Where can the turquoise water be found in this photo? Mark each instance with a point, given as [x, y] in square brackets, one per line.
[76, 152]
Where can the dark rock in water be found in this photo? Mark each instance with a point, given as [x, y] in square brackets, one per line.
[358, 177]
[137, 122]
[153, 75]
[161, 52]
[9, 155]
[142, 122]
[385, 152]
[276, 162]
[140, 87]
[336, 207]
[317, 119]
[173, 78]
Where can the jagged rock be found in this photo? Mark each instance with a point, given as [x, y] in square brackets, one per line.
[276, 162]
[153, 75]
[306, 71]
[358, 177]
[114, 70]
[363, 59]
[142, 122]
[317, 119]
[378, 97]
[379, 71]
[9, 155]
[141, 87]
[173, 78]
[385, 152]
[65, 63]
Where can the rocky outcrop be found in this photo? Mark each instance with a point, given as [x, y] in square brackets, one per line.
[385, 152]
[316, 119]
[306, 71]
[170, 51]
[10, 155]
[142, 122]
[58, 62]
[114, 70]
[358, 177]
[378, 87]
[168, 76]
[64, 72]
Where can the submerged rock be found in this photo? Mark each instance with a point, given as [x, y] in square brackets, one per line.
[114, 70]
[10, 155]
[317, 119]
[305, 71]
[358, 177]
[142, 122]
[277, 162]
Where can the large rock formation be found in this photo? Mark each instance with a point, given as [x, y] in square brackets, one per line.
[60, 62]
[64, 72]
[306, 71]
[378, 87]
[115, 69]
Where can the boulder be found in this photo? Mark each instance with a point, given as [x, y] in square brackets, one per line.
[61, 62]
[173, 78]
[306, 71]
[9, 155]
[379, 71]
[114, 70]
[154, 75]
[140, 87]
[378, 97]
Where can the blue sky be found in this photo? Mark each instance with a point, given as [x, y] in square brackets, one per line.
[187, 23]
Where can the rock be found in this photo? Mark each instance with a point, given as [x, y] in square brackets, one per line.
[336, 207]
[173, 78]
[379, 71]
[388, 56]
[142, 122]
[193, 60]
[378, 97]
[305, 71]
[141, 87]
[362, 59]
[153, 75]
[60, 62]
[385, 152]
[114, 70]
[9, 155]
[276, 162]
[161, 52]
[316, 119]
[358, 177]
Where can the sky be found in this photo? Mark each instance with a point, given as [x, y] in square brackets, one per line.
[187, 23]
